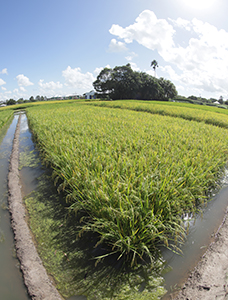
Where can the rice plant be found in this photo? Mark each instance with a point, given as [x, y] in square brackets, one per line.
[208, 115]
[131, 175]
[4, 116]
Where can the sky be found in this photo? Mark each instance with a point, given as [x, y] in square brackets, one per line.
[58, 47]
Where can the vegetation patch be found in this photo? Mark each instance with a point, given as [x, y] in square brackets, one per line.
[129, 175]
[71, 260]
[5, 115]
[28, 158]
[205, 114]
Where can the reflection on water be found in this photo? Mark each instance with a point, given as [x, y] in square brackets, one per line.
[11, 282]
[200, 236]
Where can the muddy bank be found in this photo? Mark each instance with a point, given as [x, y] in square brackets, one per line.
[209, 279]
[36, 279]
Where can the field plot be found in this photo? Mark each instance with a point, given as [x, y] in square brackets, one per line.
[5, 116]
[129, 175]
[205, 114]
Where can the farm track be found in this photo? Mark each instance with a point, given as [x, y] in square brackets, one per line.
[36, 279]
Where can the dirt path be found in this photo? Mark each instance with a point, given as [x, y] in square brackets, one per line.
[209, 280]
[35, 276]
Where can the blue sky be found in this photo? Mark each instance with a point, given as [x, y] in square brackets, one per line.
[57, 48]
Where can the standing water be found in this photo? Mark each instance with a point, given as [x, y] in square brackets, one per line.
[201, 233]
[11, 282]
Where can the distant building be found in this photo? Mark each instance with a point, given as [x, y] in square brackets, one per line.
[90, 95]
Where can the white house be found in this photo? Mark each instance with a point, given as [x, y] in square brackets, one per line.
[90, 95]
[216, 102]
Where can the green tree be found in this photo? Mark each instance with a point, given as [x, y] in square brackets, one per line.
[10, 102]
[124, 83]
[221, 100]
[117, 83]
[21, 100]
[154, 65]
[103, 84]
[169, 89]
[149, 87]
[31, 99]
[192, 97]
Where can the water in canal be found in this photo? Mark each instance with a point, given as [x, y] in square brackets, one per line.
[11, 281]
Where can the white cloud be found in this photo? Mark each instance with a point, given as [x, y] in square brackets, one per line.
[182, 23]
[3, 88]
[75, 78]
[2, 81]
[22, 89]
[4, 71]
[135, 67]
[50, 85]
[116, 46]
[147, 31]
[201, 64]
[131, 56]
[98, 70]
[22, 80]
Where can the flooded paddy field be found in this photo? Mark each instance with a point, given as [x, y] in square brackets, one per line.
[200, 235]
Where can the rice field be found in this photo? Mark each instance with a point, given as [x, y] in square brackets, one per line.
[5, 116]
[205, 114]
[131, 175]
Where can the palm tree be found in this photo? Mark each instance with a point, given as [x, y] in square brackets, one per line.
[154, 64]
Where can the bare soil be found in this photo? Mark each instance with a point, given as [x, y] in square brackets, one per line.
[38, 283]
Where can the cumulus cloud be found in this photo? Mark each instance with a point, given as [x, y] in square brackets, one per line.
[116, 46]
[50, 85]
[3, 88]
[22, 80]
[75, 78]
[147, 30]
[98, 70]
[135, 67]
[204, 61]
[131, 56]
[4, 71]
[2, 81]
[22, 89]
[201, 63]
[179, 22]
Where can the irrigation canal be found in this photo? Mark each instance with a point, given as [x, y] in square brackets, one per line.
[11, 281]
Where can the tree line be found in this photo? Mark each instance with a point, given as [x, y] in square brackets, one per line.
[122, 82]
